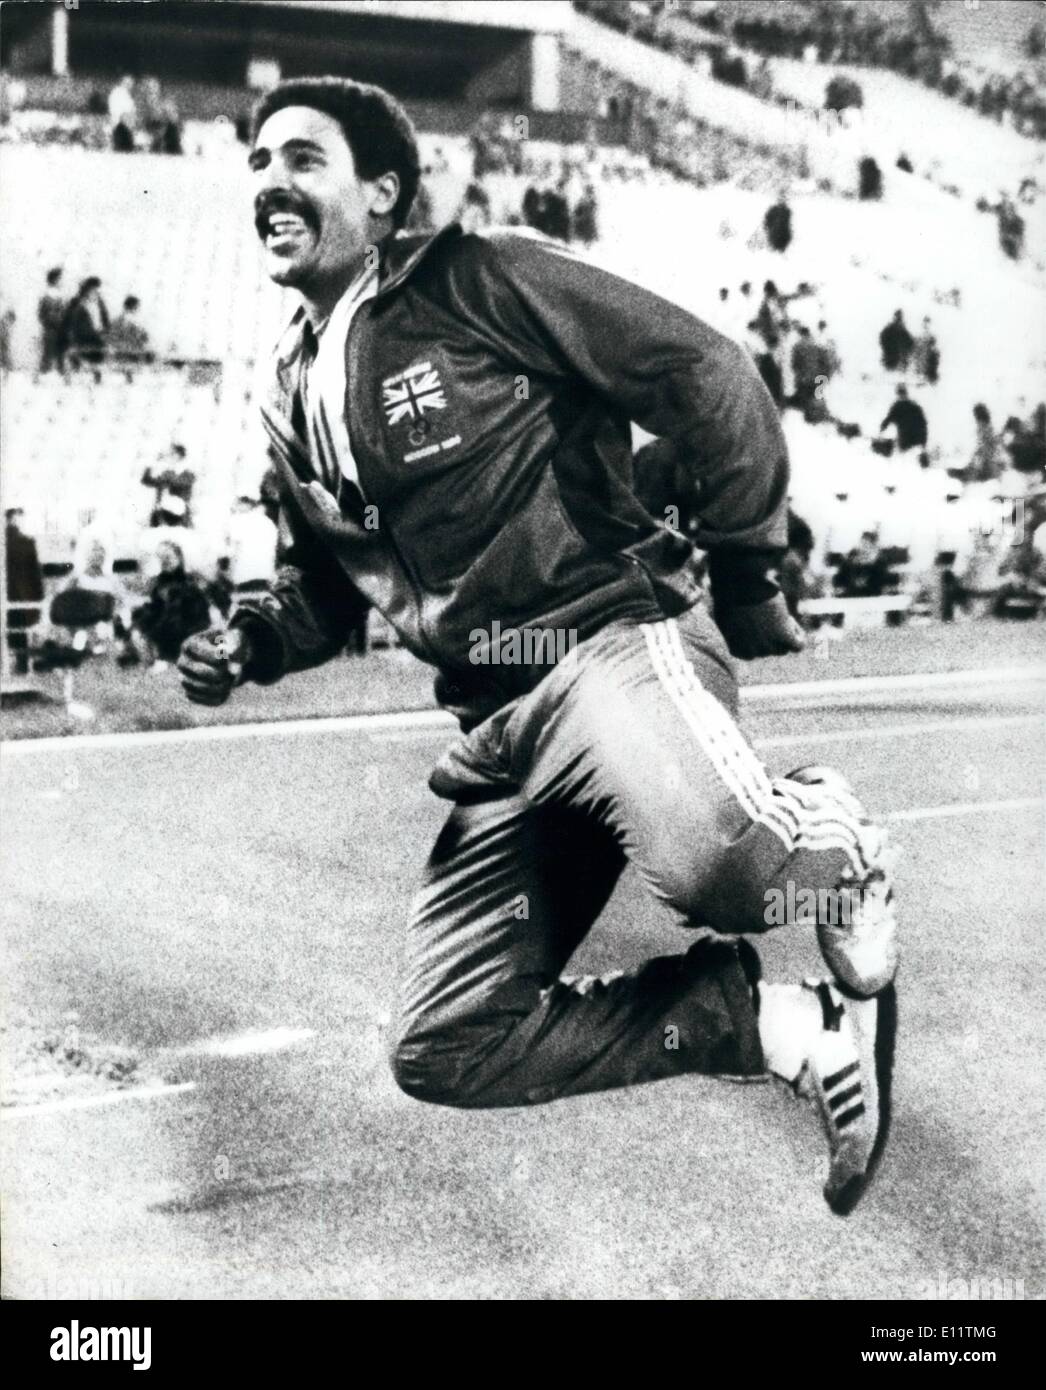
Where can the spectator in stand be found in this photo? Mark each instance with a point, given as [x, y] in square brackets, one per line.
[908, 419]
[976, 587]
[896, 344]
[1011, 228]
[807, 371]
[557, 212]
[91, 568]
[475, 208]
[869, 180]
[1022, 587]
[793, 574]
[269, 493]
[778, 225]
[220, 590]
[173, 487]
[92, 574]
[729, 67]
[171, 139]
[86, 326]
[586, 229]
[831, 362]
[128, 342]
[1026, 443]
[123, 116]
[767, 360]
[927, 355]
[771, 318]
[176, 608]
[50, 313]
[988, 461]
[863, 573]
[7, 324]
[761, 83]
[158, 118]
[151, 116]
[533, 208]
[25, 584]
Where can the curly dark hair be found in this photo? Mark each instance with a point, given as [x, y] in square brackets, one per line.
[376, 128]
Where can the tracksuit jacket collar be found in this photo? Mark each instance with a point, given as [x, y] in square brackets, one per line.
[282, 414]
[401, 255]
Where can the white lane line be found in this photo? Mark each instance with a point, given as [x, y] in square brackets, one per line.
[966, 808]
[434, 719]
[931, 680]
[247, 1044]
[57, 1107]
[936, 726]
[230, 733]
[250, 1044]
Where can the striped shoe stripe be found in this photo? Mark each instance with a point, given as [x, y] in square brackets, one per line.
[844, 1097]
[845, 1120]
[830, 1082]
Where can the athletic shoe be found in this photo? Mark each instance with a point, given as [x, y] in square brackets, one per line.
[837, 1051]
[861, 952]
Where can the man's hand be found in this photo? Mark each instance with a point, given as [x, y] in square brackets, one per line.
[211, 664]
[761, 629]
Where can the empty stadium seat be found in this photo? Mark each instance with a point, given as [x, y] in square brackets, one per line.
[175, 232]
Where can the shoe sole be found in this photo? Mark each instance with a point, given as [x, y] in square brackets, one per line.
[852, 1173]
[843, 957]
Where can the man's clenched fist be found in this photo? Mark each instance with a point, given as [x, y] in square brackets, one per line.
[212, 662]
[759, 629]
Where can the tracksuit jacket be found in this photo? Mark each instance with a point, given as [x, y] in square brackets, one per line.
[490, 386]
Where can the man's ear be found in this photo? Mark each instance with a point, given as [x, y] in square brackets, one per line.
[385, 190]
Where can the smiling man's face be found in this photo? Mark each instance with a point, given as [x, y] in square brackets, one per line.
[314, 214]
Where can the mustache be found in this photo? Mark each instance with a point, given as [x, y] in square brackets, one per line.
[278, 200]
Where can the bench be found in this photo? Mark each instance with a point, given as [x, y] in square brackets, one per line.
[856, 612]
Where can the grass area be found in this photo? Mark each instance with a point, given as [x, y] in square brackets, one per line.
[119, 701]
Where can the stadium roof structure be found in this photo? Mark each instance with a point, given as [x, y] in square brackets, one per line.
[531, 16]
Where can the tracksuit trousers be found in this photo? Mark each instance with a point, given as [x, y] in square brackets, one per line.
[627, 750]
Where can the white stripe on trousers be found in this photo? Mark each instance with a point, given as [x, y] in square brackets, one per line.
[801, 817]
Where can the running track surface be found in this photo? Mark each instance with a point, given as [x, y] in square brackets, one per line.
[230, 907]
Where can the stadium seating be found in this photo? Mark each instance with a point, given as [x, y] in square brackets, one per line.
[75, 450]
[178, 234]
[175, 232]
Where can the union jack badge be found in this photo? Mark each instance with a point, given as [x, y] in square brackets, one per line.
[412, 393]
